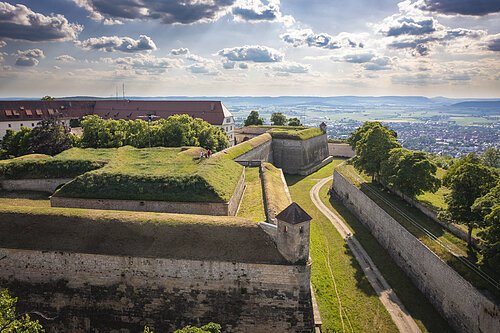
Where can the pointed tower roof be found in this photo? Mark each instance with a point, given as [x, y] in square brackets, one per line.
[293, 214]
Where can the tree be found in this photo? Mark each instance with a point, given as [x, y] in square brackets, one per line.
[485, 204]
[49, 137]
[360, 131]
[467, 183]
[254, 119]
[17, 143]
[491, 240]
[491, 157]
[294, 122]
[48, 98]
[373, 148]
[278, 119]
[410, 172]
[10, 321]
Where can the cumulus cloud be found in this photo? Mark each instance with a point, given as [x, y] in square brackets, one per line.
[228, 64]
[121, 44]
[291, 68]
[26, 62]
[369, 60]
[307, 37]
[65, 58]
[21, 23]
[462, 7]
[243, 65]
[2, 43]
[143, 63]
[253, 53]
[411, 26]
[181, 51]
[167, 12]
[260, 11]
[29, 58]
[493, 43]
[206, 69]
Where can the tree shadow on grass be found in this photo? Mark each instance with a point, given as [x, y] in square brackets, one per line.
[293, 179]
[25, 195]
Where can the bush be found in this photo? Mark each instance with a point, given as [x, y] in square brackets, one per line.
[46, 168]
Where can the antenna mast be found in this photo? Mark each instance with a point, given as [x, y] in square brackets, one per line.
[123, 89]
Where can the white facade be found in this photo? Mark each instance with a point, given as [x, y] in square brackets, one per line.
[16, 125]
[228, 127]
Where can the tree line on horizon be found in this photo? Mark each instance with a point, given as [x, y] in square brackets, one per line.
[277, 119]
[473, 181]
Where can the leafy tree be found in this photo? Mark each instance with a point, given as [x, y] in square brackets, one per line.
[278, 119]
[485, 204]
[410, 172]
[491, 157]
[373, 148]
[10, 321]
[253, 119]
[48, 98]
[17, 143]
[360, 131]
[491, 240]
[294, 122]
[49, 137]
[208, 328]
[467, 183]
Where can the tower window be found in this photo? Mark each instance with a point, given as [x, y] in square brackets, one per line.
[301, 230]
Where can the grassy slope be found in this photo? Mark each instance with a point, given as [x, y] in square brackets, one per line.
[364, 310]
[436, 199]
[252, 205]
[426, 317]
[277, 199]
[456, 244]
[245, 147]
[23, 199]
[170, 174]
[294, 134]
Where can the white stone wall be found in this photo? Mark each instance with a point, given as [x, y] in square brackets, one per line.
[228, 127]
[16, 125]
[38, 185]
[465, 308]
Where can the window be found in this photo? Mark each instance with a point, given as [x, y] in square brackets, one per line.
[32, 124]
[9, 125]
[21, 125]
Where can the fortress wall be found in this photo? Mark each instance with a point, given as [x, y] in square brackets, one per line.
[465, 308]
[262, 152]
[234, 202]
[300, 156]
[340, 150]
[38, 185]
[106, 293]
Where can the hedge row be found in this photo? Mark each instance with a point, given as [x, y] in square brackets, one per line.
[47, 168]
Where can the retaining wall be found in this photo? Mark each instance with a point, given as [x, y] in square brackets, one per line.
[262, 152]
[465, 308]
[203, 208]
[102, 293]
[300, 156]
[340, 150]
[38, 185]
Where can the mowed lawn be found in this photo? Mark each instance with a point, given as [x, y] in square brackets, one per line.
[252, 204]
[346, 300]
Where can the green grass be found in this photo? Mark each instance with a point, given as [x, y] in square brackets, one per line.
[456, 244]
[296, 134]
[244, 147]
[364, 310]
[165, 174]
[279, 126]
[436, 199]
[252, 204]
[276, 196]
[424, 314]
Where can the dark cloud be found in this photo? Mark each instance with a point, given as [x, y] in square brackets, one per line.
[251, 15]
[378, 64]
[21, 23]
[254, 53]
[122, 44]
[168, 12]
[26, 61]
[410, 26]
[258, 11]
[243, 65]
[463, 7]
[494, 45]
[358, 58]
[228, 64]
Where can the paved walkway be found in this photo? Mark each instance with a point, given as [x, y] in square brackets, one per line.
[387, 296]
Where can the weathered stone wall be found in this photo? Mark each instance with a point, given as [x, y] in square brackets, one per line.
[38, 185]
[340, 150]
[465, 308]
[201, 208]
[300, 156]
[102, 293]
[261, 153]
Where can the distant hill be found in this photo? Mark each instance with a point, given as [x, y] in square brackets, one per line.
[479, 104]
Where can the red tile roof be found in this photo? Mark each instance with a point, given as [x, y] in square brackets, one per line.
[213, 112]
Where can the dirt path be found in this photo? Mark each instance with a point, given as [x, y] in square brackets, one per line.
[387, 296]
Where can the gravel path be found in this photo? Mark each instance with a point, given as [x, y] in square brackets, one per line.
[387, 296]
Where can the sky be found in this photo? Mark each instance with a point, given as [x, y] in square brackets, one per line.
[250, 48]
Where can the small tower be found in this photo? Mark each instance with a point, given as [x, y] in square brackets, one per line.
[322, 126]
[292, 236]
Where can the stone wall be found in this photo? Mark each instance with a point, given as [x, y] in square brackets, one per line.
[340, 150]
[300, 156]
[260, 153]
[465, 308]
[102, 293]
[200, 208]
[38, 185]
